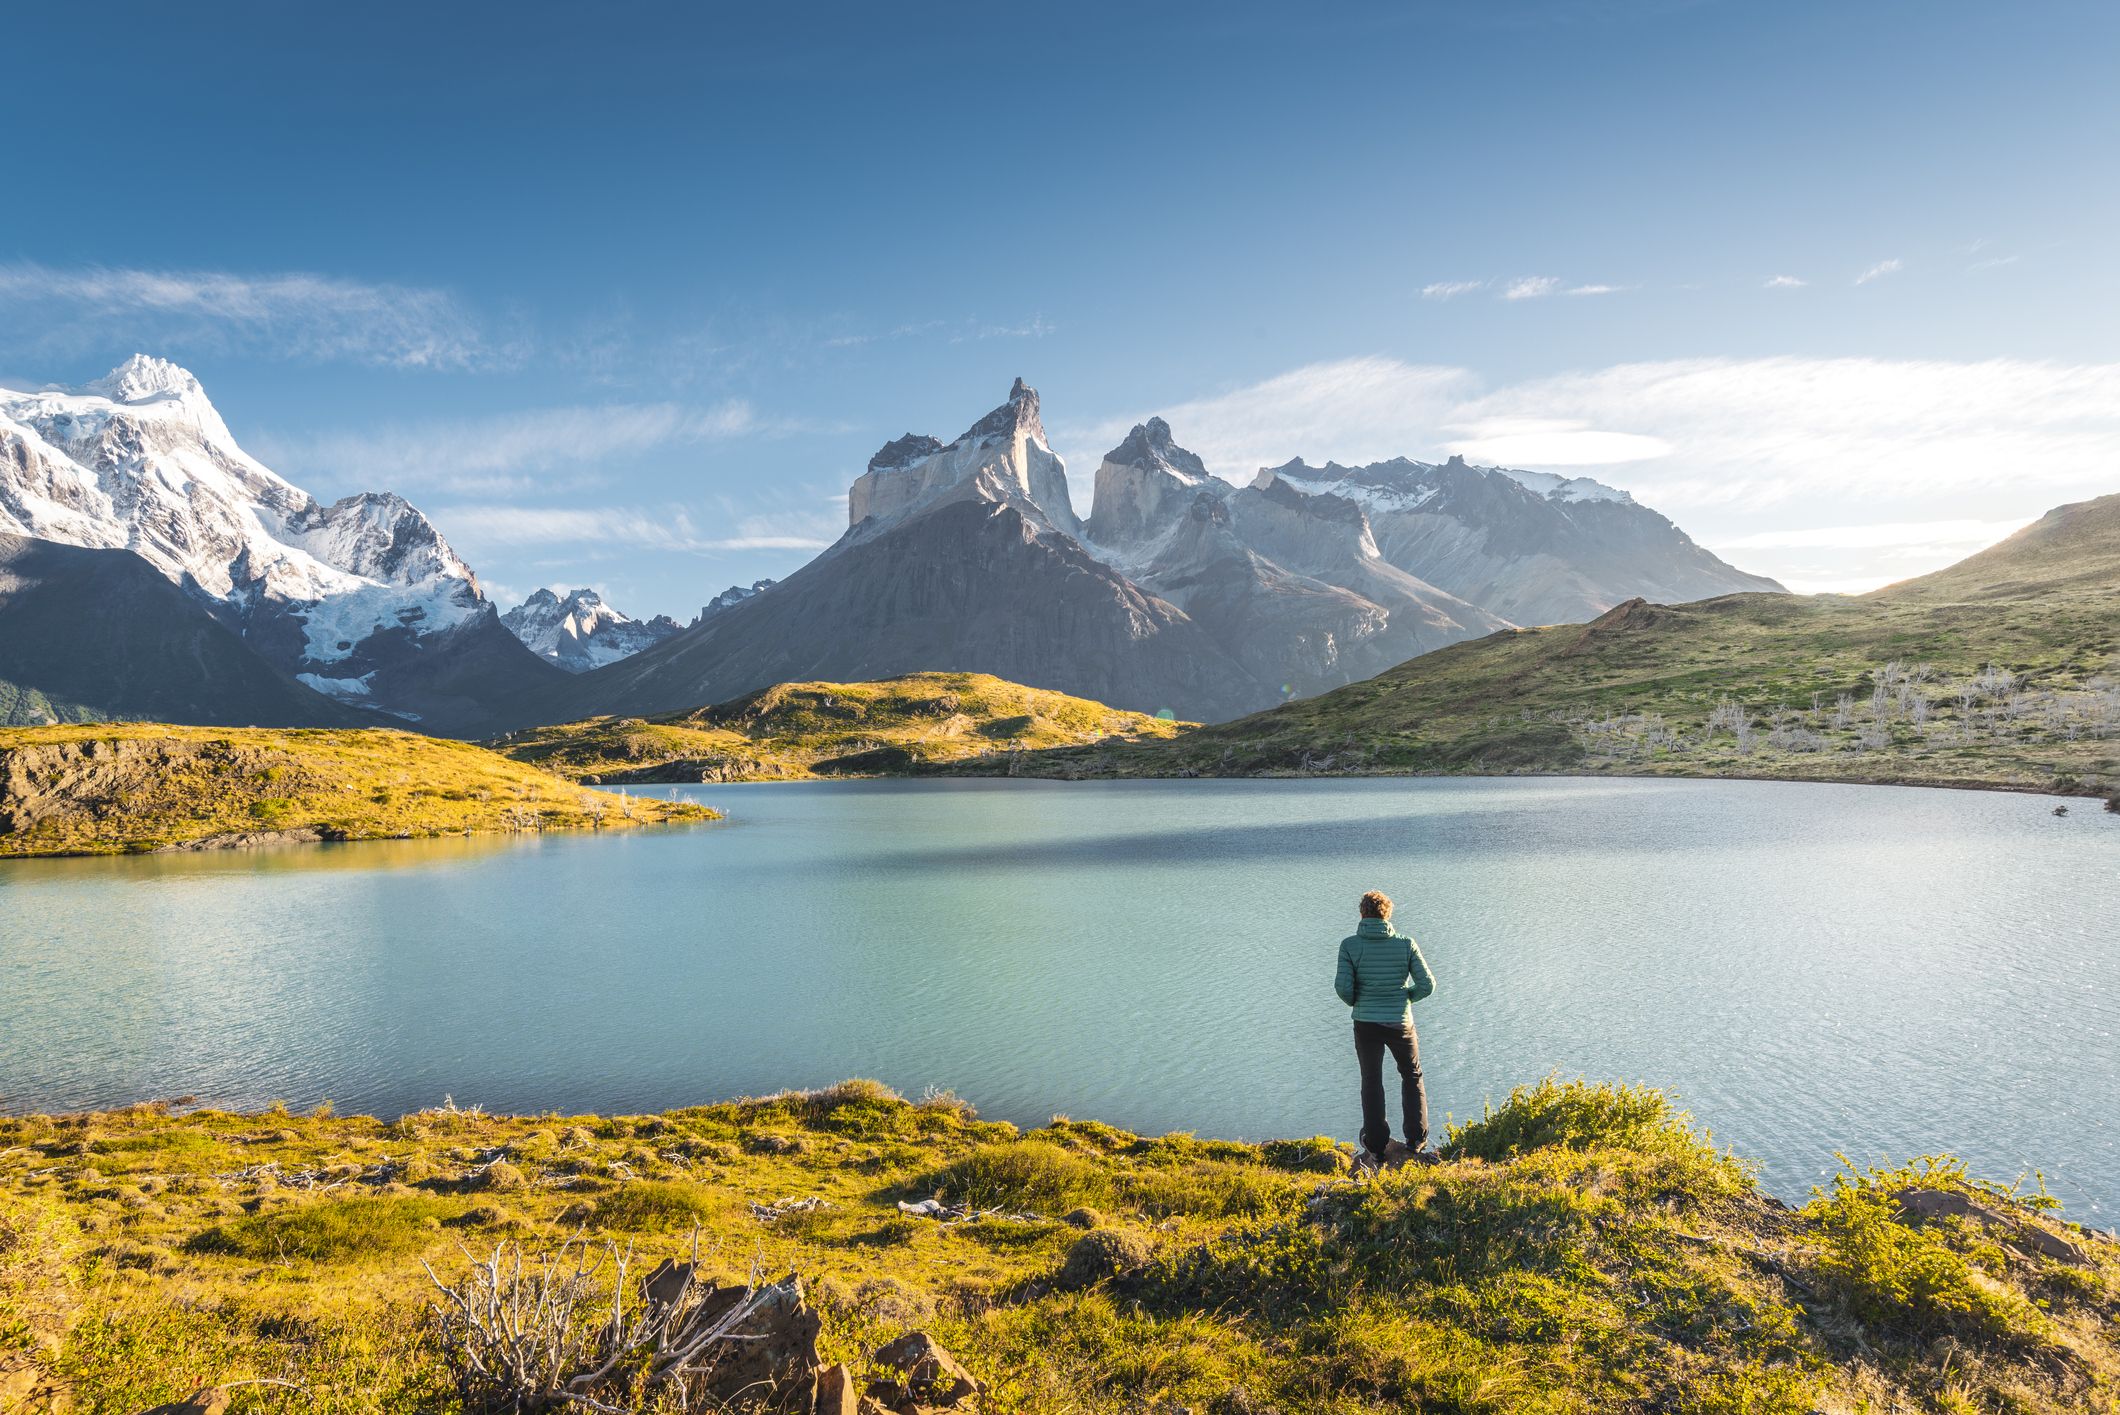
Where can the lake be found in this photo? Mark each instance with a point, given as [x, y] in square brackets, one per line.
[1812, 968]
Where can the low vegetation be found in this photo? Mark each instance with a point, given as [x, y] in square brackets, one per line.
[1582, 1248]
[2002, 671]
[797, 730]
[121, 787]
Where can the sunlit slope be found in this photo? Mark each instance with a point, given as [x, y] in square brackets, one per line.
[795, 730]
[141, 786]
[1580, 1248]
[2000, 670]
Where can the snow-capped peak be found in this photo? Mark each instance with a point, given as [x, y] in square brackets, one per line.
[579, 631]
[143, 380]
[140, 460]
[144, 376]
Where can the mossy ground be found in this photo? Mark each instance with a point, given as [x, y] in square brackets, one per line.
[798, 730]
[1581, 1249]
[118, 787]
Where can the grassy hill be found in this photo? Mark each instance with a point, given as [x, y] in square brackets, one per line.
[103, 789]
[796, 730]
[2003, 670]
[1581, 1249]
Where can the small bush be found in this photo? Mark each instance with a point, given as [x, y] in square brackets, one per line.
[1103, 1254]
[1576, 1115]
[1318, 1155]
[501, 1177]
[655, 1206]
[1025, 1174]
[1911, 1280]
[333, 1231]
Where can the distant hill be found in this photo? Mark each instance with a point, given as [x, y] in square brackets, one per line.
[830, 729]
[89, 635]
[2002, 670]
[126, 788]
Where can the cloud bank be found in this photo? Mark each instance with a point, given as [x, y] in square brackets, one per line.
[288, 315]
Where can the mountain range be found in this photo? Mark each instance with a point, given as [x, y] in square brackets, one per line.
[1181, 592]
[580, 632]
[360, 601]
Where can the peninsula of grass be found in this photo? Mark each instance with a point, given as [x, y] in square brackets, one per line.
[2002, 671]
[794, 731]
[1582, 1248]
[112, 788]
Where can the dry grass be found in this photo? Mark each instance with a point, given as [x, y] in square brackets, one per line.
[1581, 1249]
[112, 787]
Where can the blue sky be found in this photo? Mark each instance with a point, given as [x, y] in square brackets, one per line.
[626, 294]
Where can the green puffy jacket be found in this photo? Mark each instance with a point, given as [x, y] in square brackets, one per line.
[1382, 974]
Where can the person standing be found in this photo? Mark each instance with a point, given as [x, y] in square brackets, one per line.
[1381, 976]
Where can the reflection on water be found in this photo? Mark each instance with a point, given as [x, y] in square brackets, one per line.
[1812, 967]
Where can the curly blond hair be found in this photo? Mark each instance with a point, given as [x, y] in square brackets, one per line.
[1376, 904]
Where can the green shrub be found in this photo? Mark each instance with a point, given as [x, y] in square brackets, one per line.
[1318, 1155]
[1103, 1254]
[331, 1231]
[1914, 1280]
[1577, 1115]
[1021, 1174]
[655, 1206]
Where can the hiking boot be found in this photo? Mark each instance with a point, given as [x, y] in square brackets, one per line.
[1368, 1162]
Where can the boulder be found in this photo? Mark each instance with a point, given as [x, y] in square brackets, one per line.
[775, 1362]
[206, 1400]
[925, 1377]
[836, 1394]
[2020, 1233]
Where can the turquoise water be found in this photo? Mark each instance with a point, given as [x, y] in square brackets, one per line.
[1813, 968]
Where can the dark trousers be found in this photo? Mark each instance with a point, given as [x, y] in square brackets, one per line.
[1371, 1041]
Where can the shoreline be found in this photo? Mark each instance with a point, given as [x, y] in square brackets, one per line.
[1068, 1266]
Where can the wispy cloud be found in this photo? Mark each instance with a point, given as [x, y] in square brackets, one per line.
[1531, 287]
[1450, 289]
[588, 528]
[1990, 262]
[1960, 535]
[507, 451]
[954, 331]
[292, 315]
[1595, 289]
[1880, 270]
[1689, 432]
[1786, 282]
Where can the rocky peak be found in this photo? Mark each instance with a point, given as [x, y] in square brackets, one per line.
[1150, 445]
[1001, 457]
[144, 376]
[1019, 413]
[904, 452]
